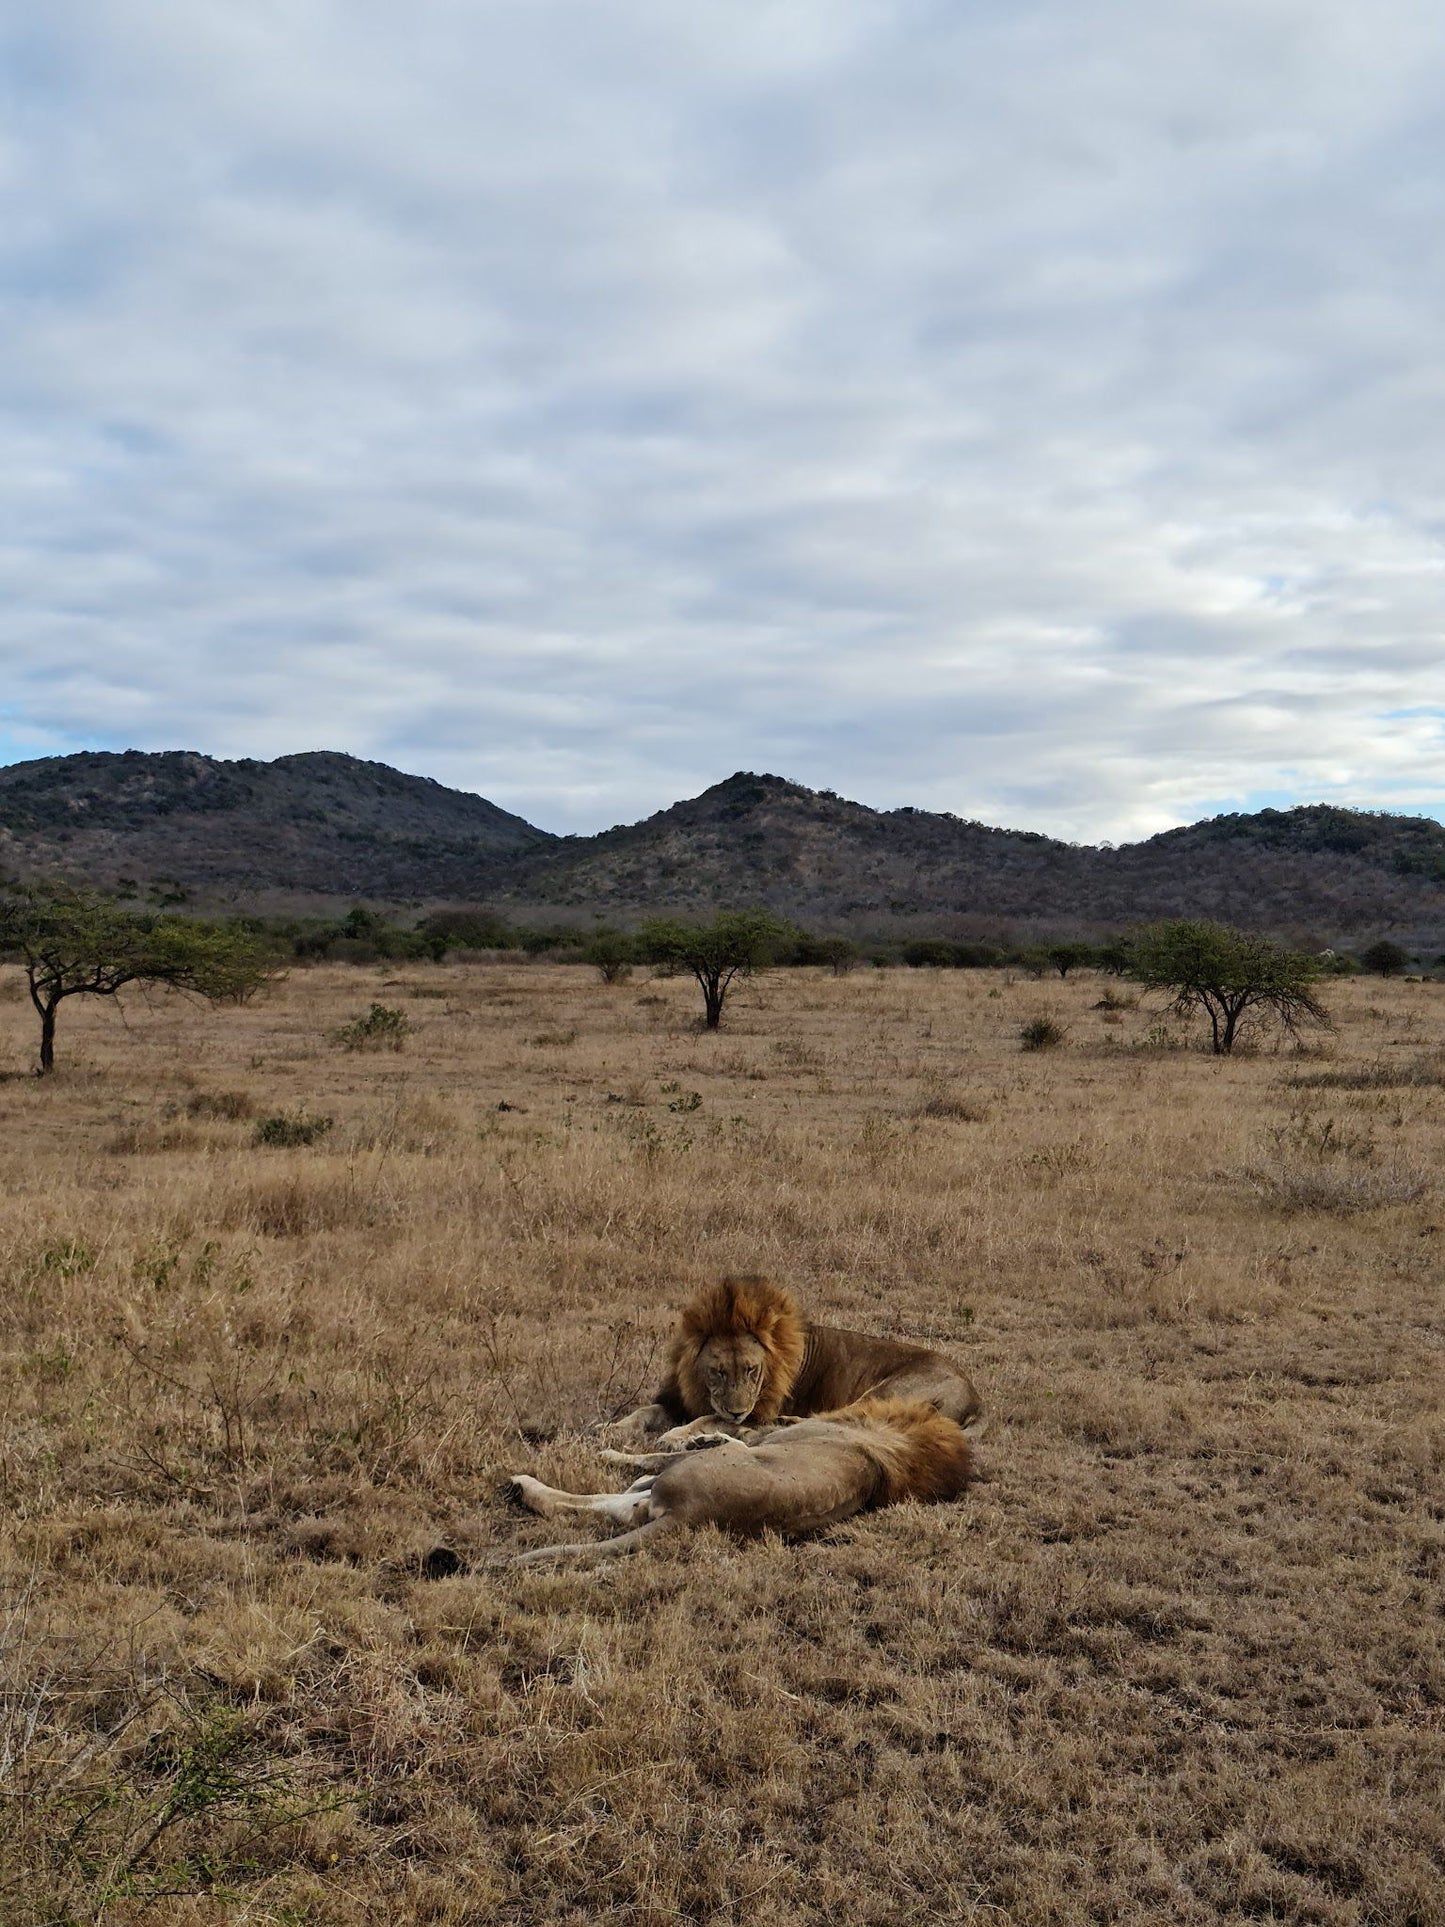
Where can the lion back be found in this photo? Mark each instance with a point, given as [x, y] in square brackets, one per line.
[844, 1366]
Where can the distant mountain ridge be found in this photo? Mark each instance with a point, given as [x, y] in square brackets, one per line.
[312, 830]
[320, 823]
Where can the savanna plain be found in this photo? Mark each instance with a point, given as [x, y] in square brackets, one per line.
[1176, 1657]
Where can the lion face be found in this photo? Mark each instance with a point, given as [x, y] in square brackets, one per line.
[732, 1370]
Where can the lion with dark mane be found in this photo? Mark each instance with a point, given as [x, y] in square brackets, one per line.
[798, 1479]
[745, 1356]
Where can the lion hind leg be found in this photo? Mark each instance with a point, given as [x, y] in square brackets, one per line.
[590, 1550]
[622, 1508]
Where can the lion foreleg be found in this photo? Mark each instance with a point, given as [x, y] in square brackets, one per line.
[709, 1426]
[655, 1462]
[639, 1426]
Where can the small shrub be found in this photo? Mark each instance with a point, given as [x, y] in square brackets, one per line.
[286, 1129]
[1159, 1037]
[231, 1105]
[1419, 1072]
[611, 954]
[151, 1135]
[382, 1028]
[67, 1259]
[552, 1039]
[1111, 1000]
[1307, 1136]
[289, 1203]
[1041, 1033]
[1311, 1185]
[964, 1110]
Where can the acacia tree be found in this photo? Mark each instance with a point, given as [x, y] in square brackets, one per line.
[1226, 973]
[1069, 956]
[72, 943]
[734, 944]
[1385, 958]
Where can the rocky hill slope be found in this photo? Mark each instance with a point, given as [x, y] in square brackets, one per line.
[1317, 870]
[316, 829]
[319, 824]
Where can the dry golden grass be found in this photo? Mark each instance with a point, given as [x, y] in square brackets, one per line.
[1178, 1659]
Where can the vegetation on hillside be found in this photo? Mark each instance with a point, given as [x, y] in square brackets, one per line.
[326, 827]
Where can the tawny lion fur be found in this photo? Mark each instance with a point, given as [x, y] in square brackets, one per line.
[797, 1479]
[745, 1355]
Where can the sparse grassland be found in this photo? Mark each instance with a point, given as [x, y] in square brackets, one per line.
[1180, 1658]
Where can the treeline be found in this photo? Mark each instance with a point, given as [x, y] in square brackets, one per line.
[364, 935]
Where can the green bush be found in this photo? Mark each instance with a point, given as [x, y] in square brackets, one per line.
[382, 1028]
[611, 955]
[1041, 1033]
[447, 930]
[931, 953]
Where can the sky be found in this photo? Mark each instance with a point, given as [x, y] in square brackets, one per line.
[1027, 410]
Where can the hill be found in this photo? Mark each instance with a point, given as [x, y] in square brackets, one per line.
[1316, 871]
[320, 828]
[319, 824]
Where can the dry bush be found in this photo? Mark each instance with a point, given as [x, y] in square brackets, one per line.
[1176, 1660]
[1419, 1073]
[285, 1130]
[145, 1136]
[231, 1105]
[951, 1104]
[1321, 1185]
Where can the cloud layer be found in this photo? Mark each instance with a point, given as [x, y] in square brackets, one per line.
[1023, 410]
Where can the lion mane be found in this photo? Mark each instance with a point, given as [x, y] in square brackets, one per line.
[919, 1453]
[808, 1368]
[748, 1307]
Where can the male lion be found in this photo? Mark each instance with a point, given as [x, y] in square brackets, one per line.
[800, 1478]
[744, 1355]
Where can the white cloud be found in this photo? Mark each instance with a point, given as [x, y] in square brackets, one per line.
[1020, 410]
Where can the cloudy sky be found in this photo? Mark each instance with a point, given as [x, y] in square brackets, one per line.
[1030, 410]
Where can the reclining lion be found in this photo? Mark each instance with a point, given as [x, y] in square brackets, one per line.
[798, 1479]
[744, 1355]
